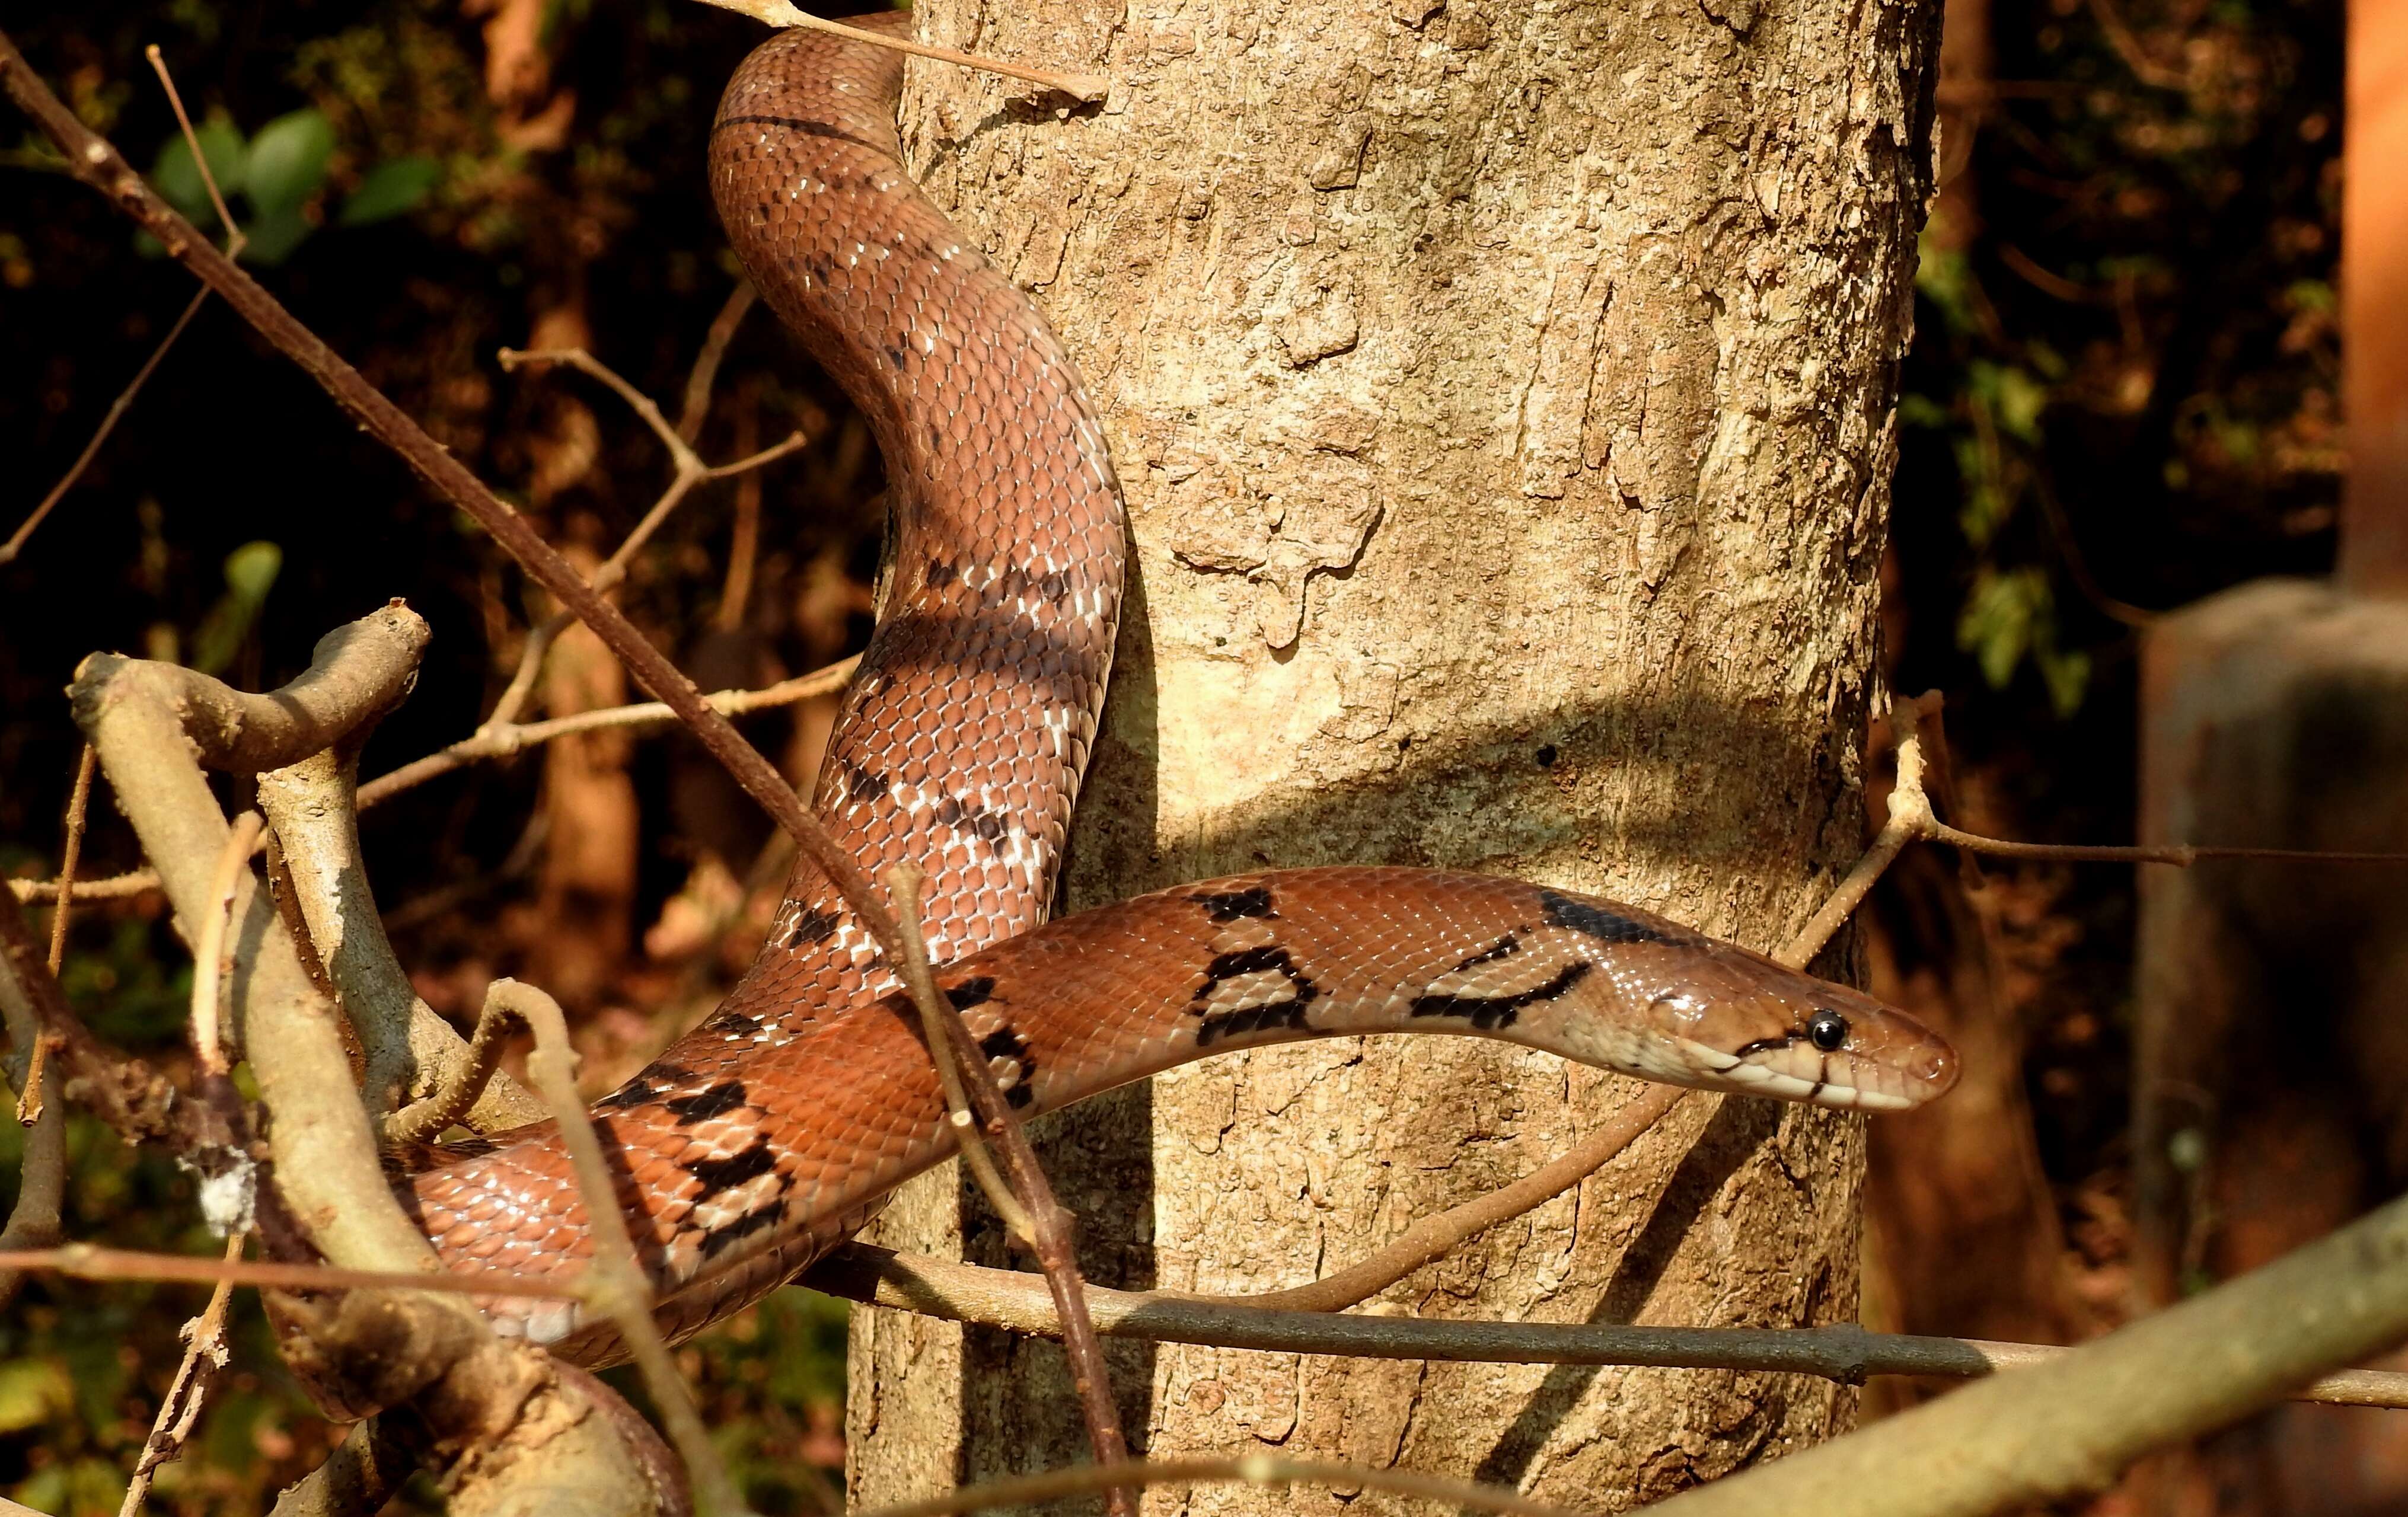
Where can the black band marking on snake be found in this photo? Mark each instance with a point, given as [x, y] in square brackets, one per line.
[1269, 958]
[1490, 1011]
[717, 1174]
[716, 1101]
[1228, 905]
[1594, 922]
[1504, 947]
[727, 1233]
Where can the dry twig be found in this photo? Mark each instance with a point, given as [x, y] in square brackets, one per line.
[424, 1119]
[117, 407]
[131, 1097]
[179, 1410]
[1250, 1470]
[690, 470]
[1036, 1219]
[952, 1075]
[1017, 1302]
[29, 1088]
[83, 1261]
[209, 952]
[700, 379]
[34, 1221]
[1842, 1352]
[613, 1283]
[1089, 88]
[501, 738]
[1432, 1238]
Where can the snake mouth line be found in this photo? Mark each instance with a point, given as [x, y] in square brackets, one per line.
[1747, 1078]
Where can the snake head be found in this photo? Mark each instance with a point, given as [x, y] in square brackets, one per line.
[1765, 1029]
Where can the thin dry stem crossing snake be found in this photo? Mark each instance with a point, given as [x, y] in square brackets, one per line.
[774, 1130]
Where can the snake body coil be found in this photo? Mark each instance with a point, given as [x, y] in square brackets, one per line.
[772, 1131]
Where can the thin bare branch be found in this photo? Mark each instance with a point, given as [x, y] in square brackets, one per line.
[613, 1283]
[82, 1261]
[1910, 818]
[425, 1120]
[1085, 87]
[114, 888]
[187, 1394]
[34, 1222]
[209, 950]
[689, 469]
[681, 456]
[2180, 855]
[116, 412]
[704, 376]
[79, 805]
[521, 689]
[1842, 1352]
[904, 882]
[1027, 1205]
[1249, 1470]
[131, 1097]
[1433, 1237]
[117, 407]
[499, 741]
[235, 242]
[791, 442]
[29, 1087]
[1048, 1226]
[1018, 1302]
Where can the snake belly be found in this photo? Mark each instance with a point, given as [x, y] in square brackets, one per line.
[772, 1131]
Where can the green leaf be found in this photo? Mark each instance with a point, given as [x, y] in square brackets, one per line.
[1943, 276]
[2015, 399]
[1989, 499]
[1995, 625]
[2067, 676]
[32, 1392]
[177, 177]
[394, 188]
[272, 235]
[250, 572]
[1921, 410]
[2312, 295]
[288, 160]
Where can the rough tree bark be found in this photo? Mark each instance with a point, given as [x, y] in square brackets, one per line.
[1503, 394]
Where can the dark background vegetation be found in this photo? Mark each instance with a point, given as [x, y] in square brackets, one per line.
[2122, 396]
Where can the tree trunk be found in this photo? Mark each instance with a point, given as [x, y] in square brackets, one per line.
[1503, 396]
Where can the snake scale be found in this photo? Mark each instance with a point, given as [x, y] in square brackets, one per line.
[774, 1130]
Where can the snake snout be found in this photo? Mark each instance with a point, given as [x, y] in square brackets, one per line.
[1803, 1039]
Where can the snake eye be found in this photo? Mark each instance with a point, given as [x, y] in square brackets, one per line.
[1827, 1030]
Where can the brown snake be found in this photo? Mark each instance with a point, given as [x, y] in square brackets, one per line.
[774, 1130]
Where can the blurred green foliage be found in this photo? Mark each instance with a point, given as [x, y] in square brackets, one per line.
[2126, 365]
[281, 173]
